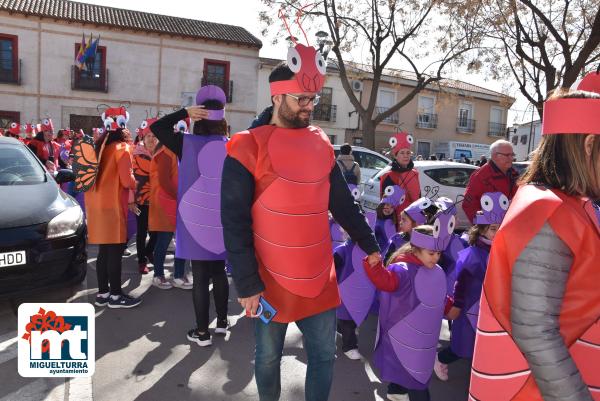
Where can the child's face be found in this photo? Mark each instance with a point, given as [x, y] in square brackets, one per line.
[406, 224]
[491, 231]
[387, 209]
[427, 257]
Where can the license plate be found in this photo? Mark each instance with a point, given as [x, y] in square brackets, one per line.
[12, 258]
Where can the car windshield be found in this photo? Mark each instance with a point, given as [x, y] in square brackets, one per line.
[451, 177]
[19, 167]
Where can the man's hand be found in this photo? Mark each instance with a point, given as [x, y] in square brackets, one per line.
[250, 304]
[196, 112]
[374, 258]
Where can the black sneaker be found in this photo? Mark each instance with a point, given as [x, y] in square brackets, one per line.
[101, 301]
[124, 301]
[222, 327]
[202, 340]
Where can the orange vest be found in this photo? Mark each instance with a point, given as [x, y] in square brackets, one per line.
[292, 242]
[500, 371]
[163, 208]
[106, 202]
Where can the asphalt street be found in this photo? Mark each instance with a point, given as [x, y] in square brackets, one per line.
[142, 354]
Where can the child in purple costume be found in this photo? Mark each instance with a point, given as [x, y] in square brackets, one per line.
[387, 221]
[471, 266]
[412, 302]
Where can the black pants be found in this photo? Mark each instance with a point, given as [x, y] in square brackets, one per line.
[447, 356]
[108, 268]
[347, 328]
[144, 249]
[203, 271]
[413, 395]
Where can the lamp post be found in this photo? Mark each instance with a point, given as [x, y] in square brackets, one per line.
[323, 43]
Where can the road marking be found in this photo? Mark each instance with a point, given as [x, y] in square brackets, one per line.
[8, 347]
[80, 389]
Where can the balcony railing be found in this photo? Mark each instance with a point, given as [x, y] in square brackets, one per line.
[426, 120]
[497, 129]
[86, 81]
[465, 125]
[325, 112]
[11, 76]
[391, 119]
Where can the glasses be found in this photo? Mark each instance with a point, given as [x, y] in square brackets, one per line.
[506, 154]
[305, 100]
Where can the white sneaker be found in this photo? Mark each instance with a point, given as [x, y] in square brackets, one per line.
[353, 354]
[440, 369]
[182, 283]
[162, 283]
[397, 397]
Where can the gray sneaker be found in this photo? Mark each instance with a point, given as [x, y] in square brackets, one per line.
[162, 283]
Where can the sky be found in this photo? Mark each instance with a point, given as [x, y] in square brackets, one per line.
[244, 13]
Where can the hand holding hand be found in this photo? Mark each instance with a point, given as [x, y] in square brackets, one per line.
[196, 112]
[374, 258]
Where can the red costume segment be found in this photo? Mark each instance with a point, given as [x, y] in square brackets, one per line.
[498, 366]
[290, 221]
[163, 191]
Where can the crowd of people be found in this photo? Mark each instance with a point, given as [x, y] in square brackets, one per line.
[519, 286]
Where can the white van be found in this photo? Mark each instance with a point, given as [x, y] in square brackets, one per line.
[437, 178]
[457, 150]
[370, 162]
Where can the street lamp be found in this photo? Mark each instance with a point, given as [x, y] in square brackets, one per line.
[323, 43]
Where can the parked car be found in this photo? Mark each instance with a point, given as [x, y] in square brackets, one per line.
[437, 178]
[521, 166]
[42, 229]
[370, 162]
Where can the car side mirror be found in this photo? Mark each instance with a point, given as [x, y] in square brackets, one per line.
[64, 175]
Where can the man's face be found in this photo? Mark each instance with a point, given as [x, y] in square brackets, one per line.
[295, 109]
[503, 157]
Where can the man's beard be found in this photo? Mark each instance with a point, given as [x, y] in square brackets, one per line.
[291, 119]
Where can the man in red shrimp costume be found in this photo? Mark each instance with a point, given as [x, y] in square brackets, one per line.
[282, 180]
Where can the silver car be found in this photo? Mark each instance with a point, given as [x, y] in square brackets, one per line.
[437, 178]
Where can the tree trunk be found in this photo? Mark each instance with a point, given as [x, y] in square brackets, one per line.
[368, 134]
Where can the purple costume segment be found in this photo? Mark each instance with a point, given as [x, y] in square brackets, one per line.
[410, 320]
[449, 258]
[199, 230]
[393, 195]
[338, 237]
[470, 267]
[356, 290]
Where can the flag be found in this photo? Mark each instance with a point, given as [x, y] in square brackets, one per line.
[90, 53]
[79, 57]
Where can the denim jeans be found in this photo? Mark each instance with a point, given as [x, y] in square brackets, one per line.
[318, 333]
[163, 239]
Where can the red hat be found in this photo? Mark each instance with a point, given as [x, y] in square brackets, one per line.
[115, 117]
[574, 115]
[47, 125]
[401, 140]
[145, 126]
[14, 128]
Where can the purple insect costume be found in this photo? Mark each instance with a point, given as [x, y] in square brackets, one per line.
[199, 231]
[410, 318]
[457, 244]
[393, 195]
[356, 290]
[470, 271]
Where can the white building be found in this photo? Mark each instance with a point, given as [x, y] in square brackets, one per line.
[152, 62]
[520, 138]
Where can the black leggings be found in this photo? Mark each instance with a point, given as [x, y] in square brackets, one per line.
[108, 268]
[347, 329]
[413, 395]
[203, 271]
[144, 249]
[447, 356]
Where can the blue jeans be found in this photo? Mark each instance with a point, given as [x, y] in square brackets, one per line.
[163, 239]
[318, 333]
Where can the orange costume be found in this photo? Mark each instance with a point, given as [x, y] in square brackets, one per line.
[500, 370]
[163, 191]
[106, 202]
[289, 214]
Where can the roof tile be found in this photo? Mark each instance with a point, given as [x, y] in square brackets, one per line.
[121, 18]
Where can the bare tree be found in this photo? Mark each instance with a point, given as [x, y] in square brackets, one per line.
[540, 44]
[404, 31]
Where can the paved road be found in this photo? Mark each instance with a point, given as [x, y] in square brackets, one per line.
[142, 354]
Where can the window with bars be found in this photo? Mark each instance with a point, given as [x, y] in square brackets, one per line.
[94, 77]
[216, 72]
[9, 58]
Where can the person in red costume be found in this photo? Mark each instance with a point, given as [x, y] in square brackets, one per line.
[44, 146]
[282, 179]
[538, 335]
[403, 172]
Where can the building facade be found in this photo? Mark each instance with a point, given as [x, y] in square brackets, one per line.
[525, 138]
[151, 63]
